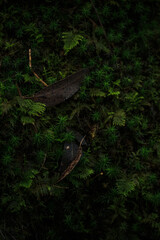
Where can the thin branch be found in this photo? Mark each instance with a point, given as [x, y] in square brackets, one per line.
[30, 60]
[100, 174]
[35, 74]
[19, 91]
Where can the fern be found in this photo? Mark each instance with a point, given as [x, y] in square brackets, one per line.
[79, 108]
[97, 93]
[25, 104]
[113, 92]
[37, 109]
[70, 40]
[31, 108]
[119, 118]
[27, 120]
[133, 100]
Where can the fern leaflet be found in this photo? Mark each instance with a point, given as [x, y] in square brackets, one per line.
[70, 40]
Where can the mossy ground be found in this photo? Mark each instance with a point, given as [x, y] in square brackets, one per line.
[113, 192]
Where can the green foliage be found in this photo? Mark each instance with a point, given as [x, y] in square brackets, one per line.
[30, 107]
[113, 171]
[86, 173]
[27, 120]
[28, 179]
[113, 192]
[71, 40]
[125, 186]
[119, 118]
[97, 93]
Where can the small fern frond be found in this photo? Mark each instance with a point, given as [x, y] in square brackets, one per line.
[78, 109]
[31, 108]
[27, 120]
[37, 109]
[24, 104]
[119, 118]
[70, 40]
[94, 92]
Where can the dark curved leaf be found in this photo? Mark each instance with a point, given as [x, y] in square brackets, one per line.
[62, 90]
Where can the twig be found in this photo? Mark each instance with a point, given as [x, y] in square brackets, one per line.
[100, 174]
[19, 91]
[30, 63]
[20, 94]
[35, 74]
[99, 19]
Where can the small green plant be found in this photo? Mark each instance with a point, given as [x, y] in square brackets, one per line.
[119, 118]
[125, 186]
[70, 40]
